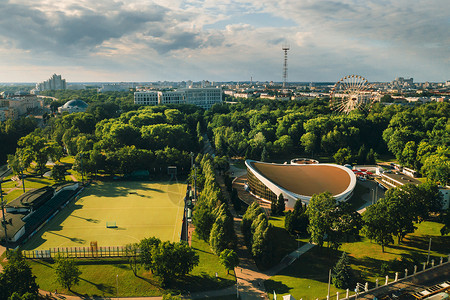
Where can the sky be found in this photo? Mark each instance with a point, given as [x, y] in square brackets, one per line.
[224, 40]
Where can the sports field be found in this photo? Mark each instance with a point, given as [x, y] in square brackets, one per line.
[140, 210]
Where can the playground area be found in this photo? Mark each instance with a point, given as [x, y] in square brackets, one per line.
[116, 214]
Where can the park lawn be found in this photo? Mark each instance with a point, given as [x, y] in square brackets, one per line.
[68, 160]
[286, 237]
[38, 182]
[307, 278]
[8, 185]
[74, 174]
[13, 195]
[98, 277]
[203, 277]
[283, 242]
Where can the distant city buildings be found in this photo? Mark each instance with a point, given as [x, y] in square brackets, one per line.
[12, 106]
[116, 87]
[54, 83]
[202, 97]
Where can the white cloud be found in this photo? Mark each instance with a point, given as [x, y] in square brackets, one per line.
[224, 40]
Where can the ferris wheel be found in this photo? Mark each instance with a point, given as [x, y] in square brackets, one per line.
[350, 93]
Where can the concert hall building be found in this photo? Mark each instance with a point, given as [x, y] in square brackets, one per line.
[299, 181]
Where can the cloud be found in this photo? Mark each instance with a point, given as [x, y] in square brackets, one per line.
[228, 39]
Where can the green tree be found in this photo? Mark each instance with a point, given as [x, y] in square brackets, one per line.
[296, 221]
[446, 220]
[252, 212]
[67, 272]
[203, 219]
[132, 252]
[308, 141]
[378, 225]
[371, 158]
[146, 247]
[59, 172]
[171, 260]
[281, 205]
[17, 278]
[229, 259]
[264, 155]
[343, 156]
[320, 213]
[437, 166]
[222, 234]
[342, 272]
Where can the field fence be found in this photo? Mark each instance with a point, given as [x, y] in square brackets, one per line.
[79, 252]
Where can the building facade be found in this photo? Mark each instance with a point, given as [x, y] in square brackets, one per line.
[298, 181]
[202, 97]
[392, 180]
[53, 83]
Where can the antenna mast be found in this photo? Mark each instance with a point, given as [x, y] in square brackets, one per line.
[285, 48]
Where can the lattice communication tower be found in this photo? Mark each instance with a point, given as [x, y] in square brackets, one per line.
[285, 48]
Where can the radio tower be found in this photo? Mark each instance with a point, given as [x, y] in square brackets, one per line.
[285, 48]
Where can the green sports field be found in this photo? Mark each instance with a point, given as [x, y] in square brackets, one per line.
[140, 210]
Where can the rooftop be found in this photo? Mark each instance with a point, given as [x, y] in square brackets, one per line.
[306, 179]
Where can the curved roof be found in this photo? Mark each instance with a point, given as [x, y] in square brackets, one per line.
[75, 102]
[308, 179]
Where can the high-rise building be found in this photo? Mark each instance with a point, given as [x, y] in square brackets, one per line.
[54, 83]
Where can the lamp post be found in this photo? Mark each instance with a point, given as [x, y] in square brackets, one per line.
[429, 249]
[3, 214]
[117, 285]
[329, 284]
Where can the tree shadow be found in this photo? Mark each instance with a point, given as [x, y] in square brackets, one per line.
[100, 286]
[87, 219]
[313, 265]
[277, 286]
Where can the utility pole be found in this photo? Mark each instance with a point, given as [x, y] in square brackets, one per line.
[3, 213]
[329, 283]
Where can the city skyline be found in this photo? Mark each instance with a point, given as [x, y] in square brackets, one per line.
[141, 41]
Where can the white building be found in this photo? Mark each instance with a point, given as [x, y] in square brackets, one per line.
[116, 87]
[146, 98]
[173, 97]
[54, 83]
[202, 97]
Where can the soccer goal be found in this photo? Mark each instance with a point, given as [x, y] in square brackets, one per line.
[111, 224]
[172, 170]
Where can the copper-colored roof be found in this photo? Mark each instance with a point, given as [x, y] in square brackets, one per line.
[306, 180]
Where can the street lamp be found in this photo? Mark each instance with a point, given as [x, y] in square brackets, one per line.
[429, 249]
[117, 285]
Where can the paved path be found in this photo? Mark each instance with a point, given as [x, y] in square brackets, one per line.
[289, 259]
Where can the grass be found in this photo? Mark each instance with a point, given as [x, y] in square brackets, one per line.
[283, 242]
[152, 209]
[38, 182]
[307, 278]
[13, 195]
[98, 277]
